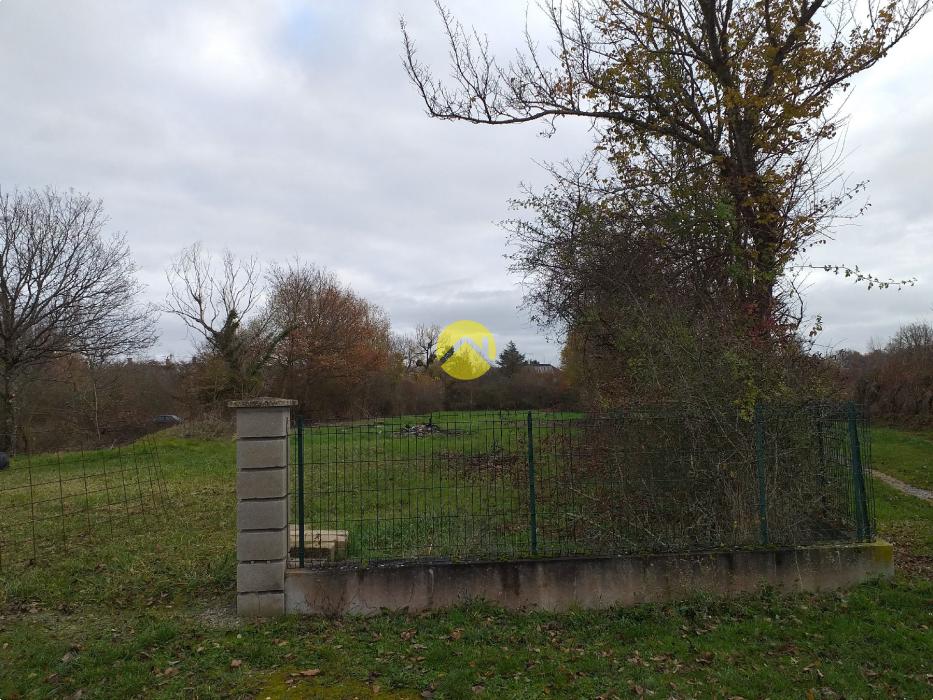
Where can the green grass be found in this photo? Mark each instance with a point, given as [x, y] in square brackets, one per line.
[394, 492]
[904, 454]
[906, 520]
[151, 615]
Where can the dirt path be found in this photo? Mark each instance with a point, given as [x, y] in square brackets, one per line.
[904, 488]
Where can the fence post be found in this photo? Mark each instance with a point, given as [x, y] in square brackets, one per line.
[532, 496]
[262, 504]
[300, 454]
[862, 526]
[760, 468]
[821, 455]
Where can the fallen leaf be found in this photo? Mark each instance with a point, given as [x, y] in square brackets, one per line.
[236, 663]
[310, 673]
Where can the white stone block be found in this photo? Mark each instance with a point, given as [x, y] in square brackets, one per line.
[262, 545]
[258, 454]
[262, 483]
[262, 515]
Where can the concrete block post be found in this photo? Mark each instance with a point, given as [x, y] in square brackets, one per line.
[262, 504]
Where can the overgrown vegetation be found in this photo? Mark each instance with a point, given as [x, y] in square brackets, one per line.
[660, 478]
[668, 256]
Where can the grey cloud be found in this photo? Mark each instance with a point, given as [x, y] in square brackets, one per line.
[288, 128]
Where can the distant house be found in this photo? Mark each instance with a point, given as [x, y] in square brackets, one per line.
[540, 368]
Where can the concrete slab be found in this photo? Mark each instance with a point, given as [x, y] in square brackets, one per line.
[264, 545]
[260, 604]
[262, 515]
[261, 453]
[330, 545]
[260, 577]
[262, 422]
[262, 483]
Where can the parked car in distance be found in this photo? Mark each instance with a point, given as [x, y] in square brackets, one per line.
[167, 419]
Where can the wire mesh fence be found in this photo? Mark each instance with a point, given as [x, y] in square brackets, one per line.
[475, 485]
[53, 502]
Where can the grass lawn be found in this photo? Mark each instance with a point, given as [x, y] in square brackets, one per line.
[904, 454]
[152, 615]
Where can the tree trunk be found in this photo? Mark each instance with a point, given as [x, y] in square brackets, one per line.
[758, 230]
[96, 399]
[8, 407]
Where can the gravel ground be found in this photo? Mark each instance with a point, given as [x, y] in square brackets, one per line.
[904, 488]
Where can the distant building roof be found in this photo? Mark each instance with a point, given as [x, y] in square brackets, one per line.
[541, 367]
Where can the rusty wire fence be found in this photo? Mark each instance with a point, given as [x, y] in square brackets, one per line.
[54, 502]
[493, 485]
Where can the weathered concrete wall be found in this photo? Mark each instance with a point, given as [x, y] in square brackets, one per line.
[262, 505]
[561, 584]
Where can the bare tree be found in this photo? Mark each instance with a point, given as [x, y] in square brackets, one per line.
[426, 339]
[215, 297]
[913, 337]
[407, 349]
[65, 288]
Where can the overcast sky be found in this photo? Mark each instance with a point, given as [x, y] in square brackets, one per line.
[287, 127]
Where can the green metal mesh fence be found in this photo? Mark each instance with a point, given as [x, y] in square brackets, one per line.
[477, 485]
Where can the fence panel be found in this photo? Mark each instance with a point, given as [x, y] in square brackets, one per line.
[53, 502]
[476, 485]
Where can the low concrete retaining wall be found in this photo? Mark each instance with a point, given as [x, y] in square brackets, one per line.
[561, 584]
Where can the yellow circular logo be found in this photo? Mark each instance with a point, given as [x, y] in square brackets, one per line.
[465, 350]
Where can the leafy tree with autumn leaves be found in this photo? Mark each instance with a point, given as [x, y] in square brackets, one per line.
[713, 167]
[338, 357]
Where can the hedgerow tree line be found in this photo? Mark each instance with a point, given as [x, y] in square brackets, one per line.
[71, 359]
[894, 379]
[73, 327]
[667, 258]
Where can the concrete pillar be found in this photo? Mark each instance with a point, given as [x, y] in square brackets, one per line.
[262, 504]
